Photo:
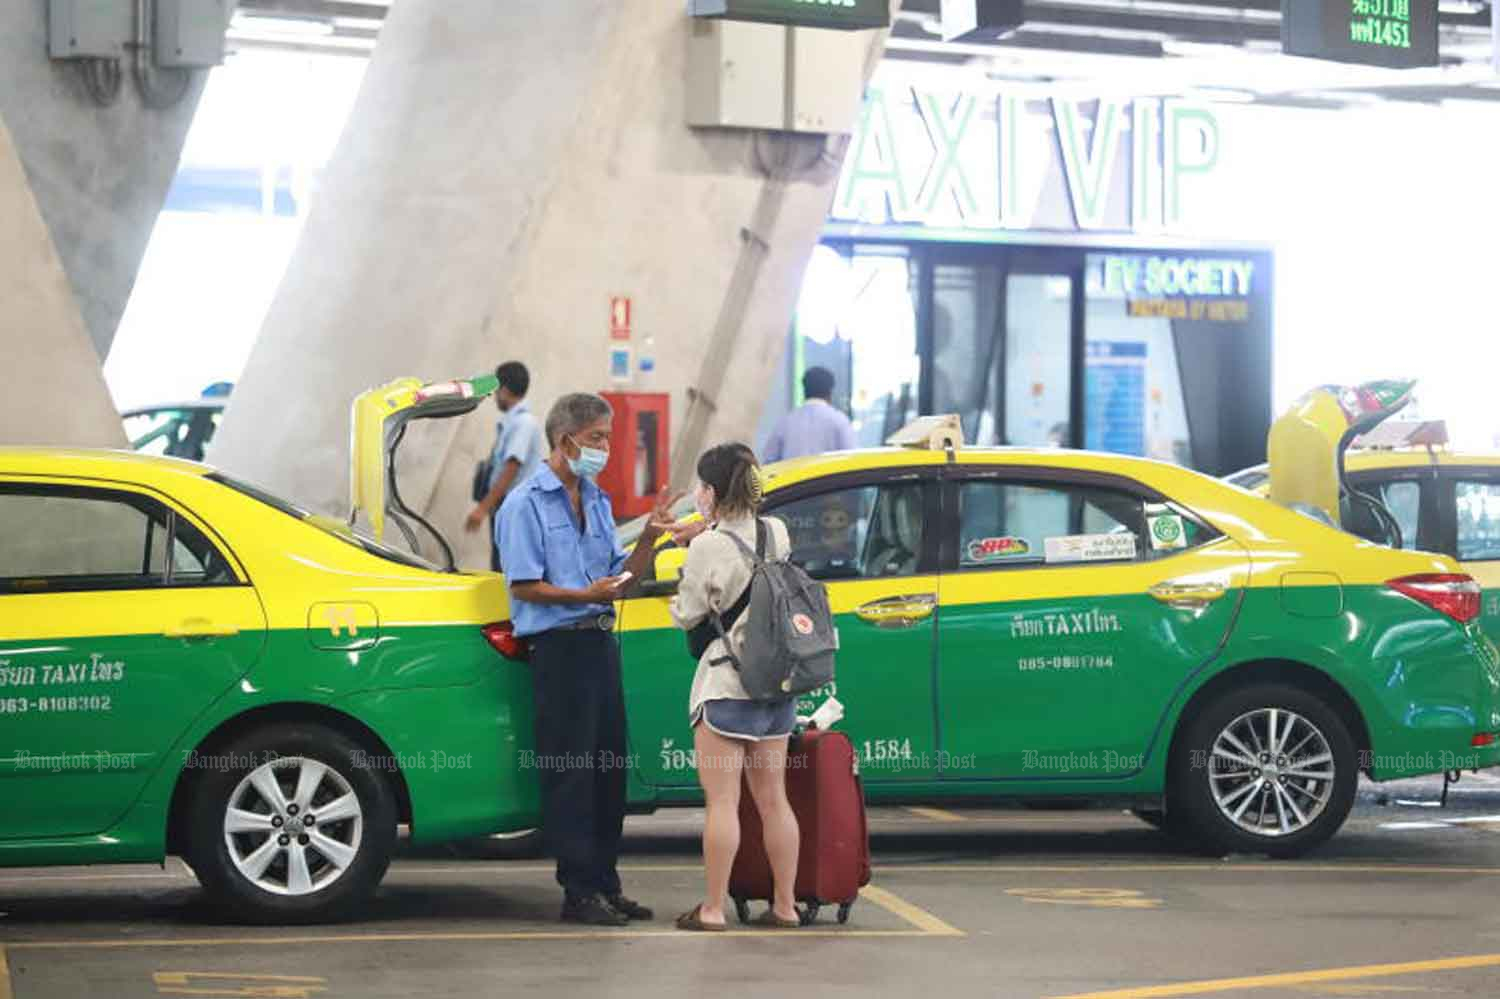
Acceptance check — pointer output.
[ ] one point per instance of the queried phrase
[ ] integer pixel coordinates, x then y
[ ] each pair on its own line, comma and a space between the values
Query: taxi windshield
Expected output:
351, 536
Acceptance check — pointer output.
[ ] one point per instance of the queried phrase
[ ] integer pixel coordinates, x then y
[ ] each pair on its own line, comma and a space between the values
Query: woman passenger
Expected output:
733, 735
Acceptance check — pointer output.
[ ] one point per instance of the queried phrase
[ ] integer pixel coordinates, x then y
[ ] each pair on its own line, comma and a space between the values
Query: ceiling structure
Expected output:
1219, 49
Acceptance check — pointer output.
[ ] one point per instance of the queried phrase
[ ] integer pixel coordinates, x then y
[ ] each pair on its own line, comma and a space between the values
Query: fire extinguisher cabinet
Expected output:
640, 451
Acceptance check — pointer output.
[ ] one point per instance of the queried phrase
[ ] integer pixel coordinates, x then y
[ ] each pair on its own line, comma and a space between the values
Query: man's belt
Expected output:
601, 622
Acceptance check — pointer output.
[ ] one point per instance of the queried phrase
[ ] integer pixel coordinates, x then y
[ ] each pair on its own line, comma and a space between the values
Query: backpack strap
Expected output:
722, 623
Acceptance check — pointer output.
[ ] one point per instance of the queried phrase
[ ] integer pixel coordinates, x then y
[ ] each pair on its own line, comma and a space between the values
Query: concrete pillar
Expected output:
54, 392
99, 175
507, 169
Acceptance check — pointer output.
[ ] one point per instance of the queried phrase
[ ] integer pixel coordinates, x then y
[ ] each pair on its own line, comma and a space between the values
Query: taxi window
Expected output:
67, 539
856, 533
1478, 520
1004, 524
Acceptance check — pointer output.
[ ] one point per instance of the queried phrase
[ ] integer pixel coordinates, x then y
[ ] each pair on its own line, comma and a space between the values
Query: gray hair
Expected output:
573, 412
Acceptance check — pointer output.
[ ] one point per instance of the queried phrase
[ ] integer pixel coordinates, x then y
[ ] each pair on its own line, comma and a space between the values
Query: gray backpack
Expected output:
790, 639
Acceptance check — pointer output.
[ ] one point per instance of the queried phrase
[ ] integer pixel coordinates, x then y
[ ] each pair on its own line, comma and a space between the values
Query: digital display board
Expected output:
847, 14
1397, 34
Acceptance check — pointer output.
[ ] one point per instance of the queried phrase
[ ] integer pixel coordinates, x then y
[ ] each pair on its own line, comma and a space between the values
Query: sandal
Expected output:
770, 919
693, 920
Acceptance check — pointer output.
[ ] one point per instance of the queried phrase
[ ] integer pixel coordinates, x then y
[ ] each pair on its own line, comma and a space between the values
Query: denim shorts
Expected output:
754, 720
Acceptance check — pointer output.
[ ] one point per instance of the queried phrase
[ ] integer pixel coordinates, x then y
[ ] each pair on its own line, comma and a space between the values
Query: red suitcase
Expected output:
822, 784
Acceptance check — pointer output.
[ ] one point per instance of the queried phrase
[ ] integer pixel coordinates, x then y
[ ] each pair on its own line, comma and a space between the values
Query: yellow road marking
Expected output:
1098, 898
922, 919
1295, 978
5, 992
936, 814
182, 983
924, 924
1360, 990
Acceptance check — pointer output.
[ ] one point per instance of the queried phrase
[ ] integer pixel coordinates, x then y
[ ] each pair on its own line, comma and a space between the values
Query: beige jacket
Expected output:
713, 578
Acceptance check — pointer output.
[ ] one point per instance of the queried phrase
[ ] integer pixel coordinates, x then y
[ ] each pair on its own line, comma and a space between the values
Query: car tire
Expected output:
1237, 793
524, 845
274, 866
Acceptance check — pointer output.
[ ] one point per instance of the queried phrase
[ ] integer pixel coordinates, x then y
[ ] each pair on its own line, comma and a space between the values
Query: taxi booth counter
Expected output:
1153, 350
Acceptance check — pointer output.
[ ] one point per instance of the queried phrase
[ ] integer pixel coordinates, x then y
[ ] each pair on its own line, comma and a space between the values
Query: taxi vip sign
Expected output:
992, 158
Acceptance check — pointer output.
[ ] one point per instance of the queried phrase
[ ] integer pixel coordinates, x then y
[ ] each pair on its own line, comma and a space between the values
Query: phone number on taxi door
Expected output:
53, 705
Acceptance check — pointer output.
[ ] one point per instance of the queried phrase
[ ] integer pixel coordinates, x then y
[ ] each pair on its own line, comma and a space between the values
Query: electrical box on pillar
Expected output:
981, 20
87, 29
639, 466
189, 34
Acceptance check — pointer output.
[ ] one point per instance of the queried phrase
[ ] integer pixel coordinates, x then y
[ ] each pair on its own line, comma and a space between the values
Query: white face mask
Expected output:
703, 499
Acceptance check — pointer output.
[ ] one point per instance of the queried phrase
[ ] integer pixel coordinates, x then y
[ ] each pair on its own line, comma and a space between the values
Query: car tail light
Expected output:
1453, 594
503, 638
1483, 739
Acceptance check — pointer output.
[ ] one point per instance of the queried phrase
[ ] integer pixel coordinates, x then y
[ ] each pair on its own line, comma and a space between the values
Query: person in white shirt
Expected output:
733, 735
815, 427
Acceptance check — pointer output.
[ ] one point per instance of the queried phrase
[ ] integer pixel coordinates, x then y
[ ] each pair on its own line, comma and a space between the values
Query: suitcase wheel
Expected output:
742, 909
844, 912
809, 913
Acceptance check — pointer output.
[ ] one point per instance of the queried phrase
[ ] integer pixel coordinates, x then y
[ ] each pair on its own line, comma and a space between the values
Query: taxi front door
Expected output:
1065, 629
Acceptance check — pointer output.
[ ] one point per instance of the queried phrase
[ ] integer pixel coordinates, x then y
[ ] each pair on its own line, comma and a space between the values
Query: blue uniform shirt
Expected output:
812, 428
539, 540
518, 437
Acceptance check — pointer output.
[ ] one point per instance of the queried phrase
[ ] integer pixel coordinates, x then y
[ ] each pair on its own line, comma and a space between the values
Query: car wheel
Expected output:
523, 845
1266, 769
293, 829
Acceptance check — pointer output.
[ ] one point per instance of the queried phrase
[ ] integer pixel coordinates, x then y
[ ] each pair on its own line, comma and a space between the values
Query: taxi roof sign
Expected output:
930, 433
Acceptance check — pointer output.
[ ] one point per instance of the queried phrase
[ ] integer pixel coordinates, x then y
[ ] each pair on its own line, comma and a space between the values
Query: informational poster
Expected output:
1115, 396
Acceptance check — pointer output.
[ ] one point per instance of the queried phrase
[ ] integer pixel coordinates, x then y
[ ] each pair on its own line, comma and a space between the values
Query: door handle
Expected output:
1189, 596
198, 627
898, 612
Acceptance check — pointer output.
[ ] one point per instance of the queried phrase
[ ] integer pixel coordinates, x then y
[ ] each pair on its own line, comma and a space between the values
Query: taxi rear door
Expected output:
122, 618
1072, 606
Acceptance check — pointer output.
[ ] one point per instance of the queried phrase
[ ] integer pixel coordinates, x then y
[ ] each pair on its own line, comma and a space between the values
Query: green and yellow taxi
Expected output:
188, 665
1049, 624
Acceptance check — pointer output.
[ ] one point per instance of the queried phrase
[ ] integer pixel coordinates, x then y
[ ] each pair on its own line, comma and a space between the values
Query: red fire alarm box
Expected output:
640, 452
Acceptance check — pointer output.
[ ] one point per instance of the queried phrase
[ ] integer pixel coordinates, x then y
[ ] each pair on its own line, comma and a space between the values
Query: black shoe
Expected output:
629, 907
593, 910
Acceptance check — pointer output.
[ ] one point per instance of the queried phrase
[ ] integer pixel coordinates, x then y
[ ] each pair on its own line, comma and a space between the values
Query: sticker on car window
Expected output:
984, 550
1167, 532
1091, 547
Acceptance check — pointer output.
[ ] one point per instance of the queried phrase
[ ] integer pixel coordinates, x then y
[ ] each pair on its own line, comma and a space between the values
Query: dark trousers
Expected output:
494, 544
580, 742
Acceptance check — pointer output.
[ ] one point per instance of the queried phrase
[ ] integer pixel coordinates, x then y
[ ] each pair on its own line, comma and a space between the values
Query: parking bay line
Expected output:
936, 814
923, 923
1294, 978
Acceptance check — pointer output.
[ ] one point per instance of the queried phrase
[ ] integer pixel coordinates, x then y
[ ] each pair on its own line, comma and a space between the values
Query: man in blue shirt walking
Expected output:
565, 568
518, 449
814, 427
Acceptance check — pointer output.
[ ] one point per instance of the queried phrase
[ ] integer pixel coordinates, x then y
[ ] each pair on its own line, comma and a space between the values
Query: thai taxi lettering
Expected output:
16, 676
1089, 622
